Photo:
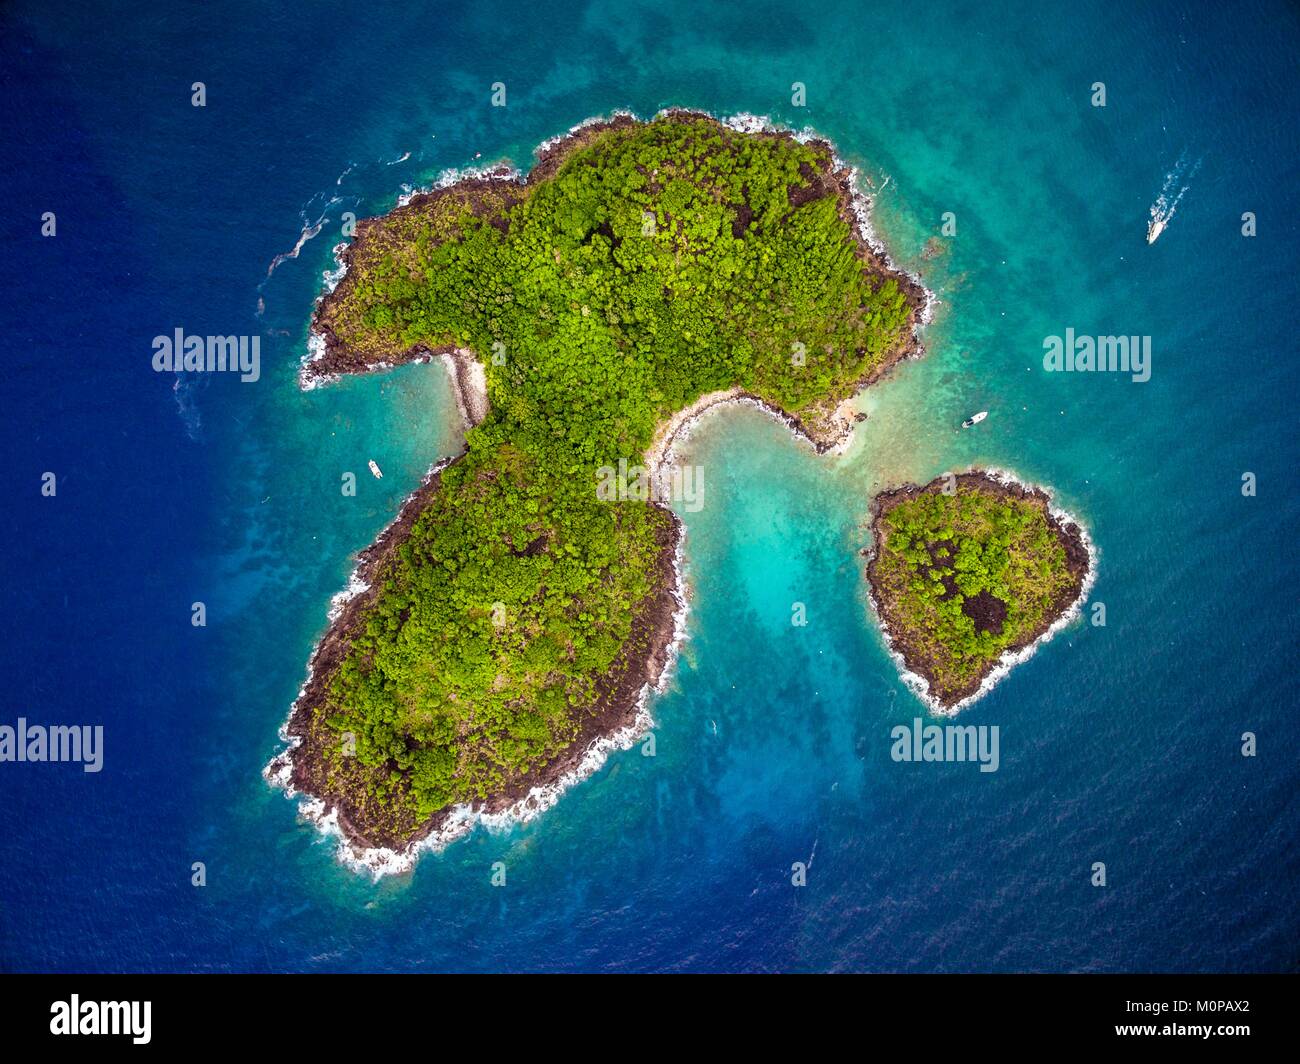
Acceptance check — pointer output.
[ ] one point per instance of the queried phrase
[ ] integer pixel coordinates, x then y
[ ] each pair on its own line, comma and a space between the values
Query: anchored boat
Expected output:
374, 468
974, 419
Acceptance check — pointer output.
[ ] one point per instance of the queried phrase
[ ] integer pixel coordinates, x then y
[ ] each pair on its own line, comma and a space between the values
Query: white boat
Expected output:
1155, 227
374, 468
974, 419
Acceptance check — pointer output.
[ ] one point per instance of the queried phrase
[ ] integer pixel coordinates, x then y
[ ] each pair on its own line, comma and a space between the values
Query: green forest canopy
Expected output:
661, 261
966, 576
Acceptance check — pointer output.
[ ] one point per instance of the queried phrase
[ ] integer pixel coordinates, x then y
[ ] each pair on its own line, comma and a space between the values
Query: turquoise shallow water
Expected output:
1118, 744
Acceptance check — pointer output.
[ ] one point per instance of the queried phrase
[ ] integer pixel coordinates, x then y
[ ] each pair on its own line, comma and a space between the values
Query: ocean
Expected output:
1119, 744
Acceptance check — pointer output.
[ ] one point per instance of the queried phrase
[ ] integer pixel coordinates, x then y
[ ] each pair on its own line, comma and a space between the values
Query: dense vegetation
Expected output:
965, 576
657, 262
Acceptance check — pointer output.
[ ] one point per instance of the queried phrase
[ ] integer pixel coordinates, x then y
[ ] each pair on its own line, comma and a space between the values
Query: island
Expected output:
969, 572
513, 616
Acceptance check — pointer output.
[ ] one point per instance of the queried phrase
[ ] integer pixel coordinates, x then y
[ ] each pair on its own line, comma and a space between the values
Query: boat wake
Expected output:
1177, 182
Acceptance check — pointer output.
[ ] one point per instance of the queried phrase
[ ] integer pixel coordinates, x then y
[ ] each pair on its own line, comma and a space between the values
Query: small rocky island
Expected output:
967, 572
511, 619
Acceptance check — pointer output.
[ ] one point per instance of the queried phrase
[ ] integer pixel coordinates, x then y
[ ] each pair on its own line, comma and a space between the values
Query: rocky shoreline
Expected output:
1080, 562
827, 440
619, 715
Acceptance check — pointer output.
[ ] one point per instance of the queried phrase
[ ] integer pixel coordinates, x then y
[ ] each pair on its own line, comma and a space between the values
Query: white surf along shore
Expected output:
920, 686
469, 386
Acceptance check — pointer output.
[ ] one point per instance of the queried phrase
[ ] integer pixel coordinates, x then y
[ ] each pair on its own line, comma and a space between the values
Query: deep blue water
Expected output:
1118, 744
